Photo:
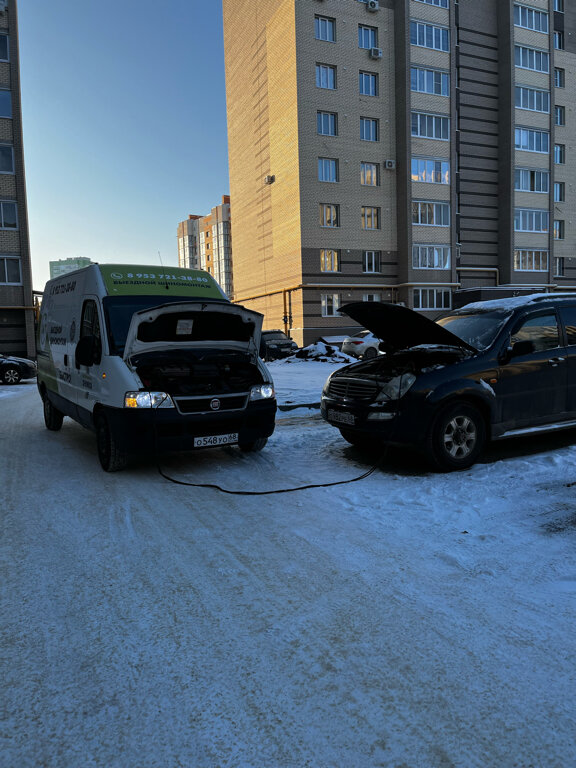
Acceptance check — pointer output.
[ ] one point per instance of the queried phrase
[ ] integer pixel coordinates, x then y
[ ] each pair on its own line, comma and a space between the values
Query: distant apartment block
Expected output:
205, 242
16, 304
415, 151
63, 266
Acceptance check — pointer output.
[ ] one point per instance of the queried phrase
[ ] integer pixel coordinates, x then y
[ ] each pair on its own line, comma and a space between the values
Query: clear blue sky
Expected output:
124, 115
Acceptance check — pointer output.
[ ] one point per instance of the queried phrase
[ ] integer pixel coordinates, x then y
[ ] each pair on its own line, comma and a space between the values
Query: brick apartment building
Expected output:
16, 308
415, 151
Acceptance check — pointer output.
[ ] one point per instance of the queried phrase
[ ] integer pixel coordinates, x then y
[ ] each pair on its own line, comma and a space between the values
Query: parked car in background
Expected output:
14, 369
276, 344
363, 344
488, 371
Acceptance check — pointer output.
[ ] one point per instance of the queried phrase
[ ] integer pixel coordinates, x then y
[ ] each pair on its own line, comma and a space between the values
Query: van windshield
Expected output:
479, 329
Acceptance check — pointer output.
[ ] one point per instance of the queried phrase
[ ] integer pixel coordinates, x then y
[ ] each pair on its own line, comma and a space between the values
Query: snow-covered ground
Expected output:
408, 620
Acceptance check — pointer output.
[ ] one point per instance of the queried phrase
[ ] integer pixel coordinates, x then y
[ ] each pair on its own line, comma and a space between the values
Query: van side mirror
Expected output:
88, 351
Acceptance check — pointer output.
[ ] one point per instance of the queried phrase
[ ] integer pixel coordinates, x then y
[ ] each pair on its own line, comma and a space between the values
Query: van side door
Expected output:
88, 377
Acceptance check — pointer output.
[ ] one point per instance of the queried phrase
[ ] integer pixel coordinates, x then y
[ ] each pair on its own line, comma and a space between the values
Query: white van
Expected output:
152, 360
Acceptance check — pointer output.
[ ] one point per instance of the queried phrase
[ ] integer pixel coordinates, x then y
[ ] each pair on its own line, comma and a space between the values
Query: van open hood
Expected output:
400, 327
210, 325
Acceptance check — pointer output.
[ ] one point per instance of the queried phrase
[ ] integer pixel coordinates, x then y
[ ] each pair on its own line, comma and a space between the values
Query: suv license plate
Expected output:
208, 440
341, 416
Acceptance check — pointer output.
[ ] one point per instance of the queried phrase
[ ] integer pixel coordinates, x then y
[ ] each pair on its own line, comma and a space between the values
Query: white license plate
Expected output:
341, 416
208, 440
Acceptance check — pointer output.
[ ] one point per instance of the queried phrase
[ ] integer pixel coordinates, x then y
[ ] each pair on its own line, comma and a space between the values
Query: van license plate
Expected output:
203, 442
341, 416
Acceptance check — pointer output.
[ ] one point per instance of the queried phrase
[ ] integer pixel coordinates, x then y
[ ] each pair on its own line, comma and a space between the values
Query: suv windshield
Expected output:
479, 329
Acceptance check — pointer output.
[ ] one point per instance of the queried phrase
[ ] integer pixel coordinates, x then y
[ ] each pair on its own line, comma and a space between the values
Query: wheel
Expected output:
457, 437
255, 445
358, 440
53, 418
370, 354
111, 457
11, 375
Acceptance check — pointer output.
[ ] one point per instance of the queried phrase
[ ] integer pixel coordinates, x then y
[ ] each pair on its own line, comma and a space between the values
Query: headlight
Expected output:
396, 387
147, 400
262, 392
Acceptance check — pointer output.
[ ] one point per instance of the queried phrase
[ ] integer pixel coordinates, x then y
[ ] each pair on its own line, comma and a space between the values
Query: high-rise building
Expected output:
16, 304
415, 151
63, 266
205, 242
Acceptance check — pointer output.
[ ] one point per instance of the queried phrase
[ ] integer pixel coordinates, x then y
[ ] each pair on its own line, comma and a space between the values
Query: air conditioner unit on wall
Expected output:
390, 164
373, 5
375, 53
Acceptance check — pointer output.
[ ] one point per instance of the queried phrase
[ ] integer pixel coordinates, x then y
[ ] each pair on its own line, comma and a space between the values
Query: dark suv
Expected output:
275, 345
490, 370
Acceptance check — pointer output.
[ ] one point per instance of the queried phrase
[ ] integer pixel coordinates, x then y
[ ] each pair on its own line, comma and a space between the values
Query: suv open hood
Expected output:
400, 327
194, 324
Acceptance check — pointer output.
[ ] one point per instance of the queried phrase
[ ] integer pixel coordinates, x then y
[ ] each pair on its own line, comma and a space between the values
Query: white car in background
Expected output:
363, 344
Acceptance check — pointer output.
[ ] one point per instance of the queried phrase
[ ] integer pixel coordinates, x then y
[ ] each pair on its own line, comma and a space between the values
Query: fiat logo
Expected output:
215, 404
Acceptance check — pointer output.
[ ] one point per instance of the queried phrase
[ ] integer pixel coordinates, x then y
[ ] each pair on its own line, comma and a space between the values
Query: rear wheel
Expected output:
53, 418
457, 437
11, 375
255, 445
111, 457
370, 354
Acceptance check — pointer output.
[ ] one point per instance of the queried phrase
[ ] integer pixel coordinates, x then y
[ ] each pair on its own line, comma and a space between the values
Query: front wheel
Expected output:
457, 437
255, 445
11, 376
111, 457
53, 418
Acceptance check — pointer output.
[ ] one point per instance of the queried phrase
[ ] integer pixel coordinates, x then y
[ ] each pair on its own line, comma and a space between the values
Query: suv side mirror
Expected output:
88, 351
524, 347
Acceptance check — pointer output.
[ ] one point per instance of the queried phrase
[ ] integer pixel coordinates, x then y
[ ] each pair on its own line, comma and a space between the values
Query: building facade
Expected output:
16, 304
63, 266
205, 242
414, 151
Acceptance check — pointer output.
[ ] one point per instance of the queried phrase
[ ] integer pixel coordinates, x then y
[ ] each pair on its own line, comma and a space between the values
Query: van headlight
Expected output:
262, 392
147, 400
396, 388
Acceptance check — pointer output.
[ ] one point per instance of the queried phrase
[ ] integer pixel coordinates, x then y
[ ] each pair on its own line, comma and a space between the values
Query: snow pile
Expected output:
322, 352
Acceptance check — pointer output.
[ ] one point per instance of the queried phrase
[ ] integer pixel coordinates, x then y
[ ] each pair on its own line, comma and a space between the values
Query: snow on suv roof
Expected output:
515, 301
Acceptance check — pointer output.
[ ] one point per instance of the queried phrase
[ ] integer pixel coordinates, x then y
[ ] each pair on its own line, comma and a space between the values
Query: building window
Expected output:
369, 174
368, 83
6, 158
559, 154
367, 37
324, 29
329, 260
530, 261
559, 77
429, 81
430, 170
431, 257
329, 215
429, 36
372, 297
559, 192
371, 261
325, 76
5, 103
559, 267
4, 55
558, 229
531, 58
432, 298
437, 3
327, 123
327, 169
531, 140
8, 215
330, 304
530, 220
430, 126
527, 180
559, 115
369, 129
532, 99
559, 6
10, 271
370, 217
430, 214
529, 18
559, 41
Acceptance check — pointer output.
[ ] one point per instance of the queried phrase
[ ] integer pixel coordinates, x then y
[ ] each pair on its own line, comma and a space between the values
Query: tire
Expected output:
112, 459
11, 375
53, 418
255, 445
457, 437
370, 354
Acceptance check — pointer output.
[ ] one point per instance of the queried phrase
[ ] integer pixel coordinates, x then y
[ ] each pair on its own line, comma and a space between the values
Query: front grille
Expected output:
203, 404
356, 389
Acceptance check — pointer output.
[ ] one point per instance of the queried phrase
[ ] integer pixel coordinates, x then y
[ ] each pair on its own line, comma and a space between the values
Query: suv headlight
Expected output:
262, 392
147, 400
396, 387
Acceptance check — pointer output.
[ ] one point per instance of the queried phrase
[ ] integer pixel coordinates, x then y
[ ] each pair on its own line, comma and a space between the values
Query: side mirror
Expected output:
520, 348
88, 351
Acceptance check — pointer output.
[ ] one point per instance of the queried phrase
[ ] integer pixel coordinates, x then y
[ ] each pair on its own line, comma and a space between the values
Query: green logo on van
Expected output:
123, 280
